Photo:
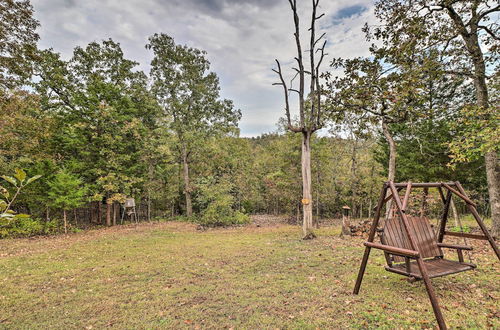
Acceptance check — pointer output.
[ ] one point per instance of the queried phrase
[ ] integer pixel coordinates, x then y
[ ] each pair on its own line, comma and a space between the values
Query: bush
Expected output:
217, 204
26, 227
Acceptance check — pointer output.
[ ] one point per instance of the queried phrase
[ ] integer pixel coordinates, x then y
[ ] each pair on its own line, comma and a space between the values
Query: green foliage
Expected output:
17, 42
217, 204
66, 191
478, 132
18, 181
27, 227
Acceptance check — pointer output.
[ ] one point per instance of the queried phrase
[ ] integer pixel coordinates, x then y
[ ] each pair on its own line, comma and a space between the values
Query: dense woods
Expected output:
97, 130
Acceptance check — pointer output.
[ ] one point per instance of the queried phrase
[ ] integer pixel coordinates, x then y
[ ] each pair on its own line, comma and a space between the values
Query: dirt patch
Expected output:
266, 220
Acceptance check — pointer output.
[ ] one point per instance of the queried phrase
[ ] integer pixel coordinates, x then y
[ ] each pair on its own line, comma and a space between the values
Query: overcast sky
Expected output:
242, 38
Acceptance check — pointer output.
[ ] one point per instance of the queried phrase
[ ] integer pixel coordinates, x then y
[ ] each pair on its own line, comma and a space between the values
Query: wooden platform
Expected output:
435, 268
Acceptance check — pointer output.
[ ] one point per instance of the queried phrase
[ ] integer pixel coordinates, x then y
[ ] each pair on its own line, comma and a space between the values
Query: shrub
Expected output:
217, 204
25, 227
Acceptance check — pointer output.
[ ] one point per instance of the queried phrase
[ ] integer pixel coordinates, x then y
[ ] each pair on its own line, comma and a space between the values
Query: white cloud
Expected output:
242, 38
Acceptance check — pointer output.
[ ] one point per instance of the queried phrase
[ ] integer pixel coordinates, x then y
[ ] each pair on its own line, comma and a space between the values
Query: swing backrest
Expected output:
394, 234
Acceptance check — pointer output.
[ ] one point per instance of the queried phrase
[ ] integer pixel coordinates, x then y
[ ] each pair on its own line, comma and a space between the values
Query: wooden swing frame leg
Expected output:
444, 218
480, 222
432, 295
371, 237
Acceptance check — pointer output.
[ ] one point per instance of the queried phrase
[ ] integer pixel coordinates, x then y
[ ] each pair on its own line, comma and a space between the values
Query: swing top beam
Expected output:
425, 184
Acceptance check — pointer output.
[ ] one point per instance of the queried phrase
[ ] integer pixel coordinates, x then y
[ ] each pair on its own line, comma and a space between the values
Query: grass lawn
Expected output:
169, 275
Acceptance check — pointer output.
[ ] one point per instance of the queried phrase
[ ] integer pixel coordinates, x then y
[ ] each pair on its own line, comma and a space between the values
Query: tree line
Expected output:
96, 129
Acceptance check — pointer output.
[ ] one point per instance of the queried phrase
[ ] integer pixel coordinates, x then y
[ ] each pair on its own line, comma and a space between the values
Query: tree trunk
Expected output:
65, 222
493, 177
92, 212
455, 213
99, 212
307, 219
187, 186
354, 167
75, 217
423, 207
392, 161
491, 157
149, 209
115, 209
108, 213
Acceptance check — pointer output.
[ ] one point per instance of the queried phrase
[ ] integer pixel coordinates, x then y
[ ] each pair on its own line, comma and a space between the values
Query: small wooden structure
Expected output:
129, 209
410, 245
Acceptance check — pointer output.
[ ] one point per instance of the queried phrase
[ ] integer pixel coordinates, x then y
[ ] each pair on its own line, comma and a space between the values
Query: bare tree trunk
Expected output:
423, 207
99, 212
92, 212
318, 173
108, 213
65, 222
307, 220
115, 209
75, 217
392, 161
187, 186
354, 166
455, 212
493, 178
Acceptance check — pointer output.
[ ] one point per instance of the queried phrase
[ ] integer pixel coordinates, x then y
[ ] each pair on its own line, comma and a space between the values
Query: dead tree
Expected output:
309, 104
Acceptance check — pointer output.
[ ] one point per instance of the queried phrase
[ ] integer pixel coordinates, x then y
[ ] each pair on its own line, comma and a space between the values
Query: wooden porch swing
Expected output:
411, 247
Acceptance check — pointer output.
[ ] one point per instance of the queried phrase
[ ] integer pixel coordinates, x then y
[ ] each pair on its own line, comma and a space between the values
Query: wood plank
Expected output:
407, 196
465, 198
392, 249
466, 235
423, 184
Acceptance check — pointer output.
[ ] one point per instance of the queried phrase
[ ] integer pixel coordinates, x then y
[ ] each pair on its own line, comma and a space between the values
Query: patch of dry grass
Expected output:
169, 275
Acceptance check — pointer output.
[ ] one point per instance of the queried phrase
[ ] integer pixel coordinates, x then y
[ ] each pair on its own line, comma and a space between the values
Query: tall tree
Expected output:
467, 36
189, 95
311, 116
104, 112
18, 40
375, 91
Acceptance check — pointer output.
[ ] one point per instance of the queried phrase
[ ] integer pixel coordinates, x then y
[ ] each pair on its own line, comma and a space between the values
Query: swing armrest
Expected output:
393, 249
455, 246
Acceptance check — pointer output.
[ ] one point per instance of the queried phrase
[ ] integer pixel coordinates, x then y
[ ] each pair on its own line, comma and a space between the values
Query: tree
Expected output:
467, 36
311, 117
17, 42
105, 115
189, 95
66, 192
376, 91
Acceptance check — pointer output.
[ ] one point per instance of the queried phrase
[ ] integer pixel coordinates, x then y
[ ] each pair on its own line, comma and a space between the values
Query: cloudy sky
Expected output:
242, 38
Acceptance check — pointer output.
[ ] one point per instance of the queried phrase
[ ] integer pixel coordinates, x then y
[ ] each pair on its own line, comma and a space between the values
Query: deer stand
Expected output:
410, 246
128, 209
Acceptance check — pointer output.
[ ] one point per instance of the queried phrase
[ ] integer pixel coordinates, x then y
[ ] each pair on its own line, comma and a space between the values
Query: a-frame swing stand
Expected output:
408, 238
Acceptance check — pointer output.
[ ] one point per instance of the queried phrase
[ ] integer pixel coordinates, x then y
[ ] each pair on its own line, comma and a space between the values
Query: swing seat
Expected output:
394, 235
435, 267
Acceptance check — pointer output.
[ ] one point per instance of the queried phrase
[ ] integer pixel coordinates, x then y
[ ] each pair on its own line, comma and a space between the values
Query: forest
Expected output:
131, 196
97, 130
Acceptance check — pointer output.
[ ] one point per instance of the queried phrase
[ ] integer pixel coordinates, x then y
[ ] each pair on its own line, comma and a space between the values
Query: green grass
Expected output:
169, 275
